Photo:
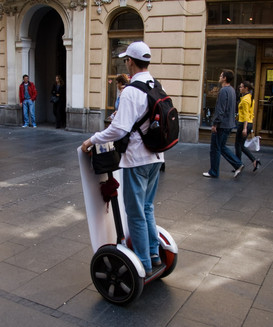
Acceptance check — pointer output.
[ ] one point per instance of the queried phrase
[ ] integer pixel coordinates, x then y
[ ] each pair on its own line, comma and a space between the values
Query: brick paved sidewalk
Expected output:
223, 228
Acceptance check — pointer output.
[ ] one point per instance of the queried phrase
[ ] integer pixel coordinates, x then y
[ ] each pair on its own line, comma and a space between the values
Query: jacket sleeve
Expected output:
220, 108
34, 92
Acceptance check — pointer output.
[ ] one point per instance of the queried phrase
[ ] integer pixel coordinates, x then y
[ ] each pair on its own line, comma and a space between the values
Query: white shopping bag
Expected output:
253, 144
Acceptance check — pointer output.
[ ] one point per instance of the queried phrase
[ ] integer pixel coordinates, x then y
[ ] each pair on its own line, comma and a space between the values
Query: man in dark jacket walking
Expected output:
223, 122
27, 97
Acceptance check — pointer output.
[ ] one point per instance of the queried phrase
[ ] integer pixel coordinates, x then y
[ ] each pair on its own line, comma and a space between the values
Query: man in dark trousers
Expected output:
27, 96
223, 122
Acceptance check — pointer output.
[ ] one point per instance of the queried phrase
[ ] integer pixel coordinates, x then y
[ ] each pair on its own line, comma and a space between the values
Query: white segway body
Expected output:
116, 271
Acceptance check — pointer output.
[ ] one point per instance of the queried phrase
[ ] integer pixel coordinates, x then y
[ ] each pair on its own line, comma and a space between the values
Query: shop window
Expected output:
240, 12
267, 102
235, 54
124, 29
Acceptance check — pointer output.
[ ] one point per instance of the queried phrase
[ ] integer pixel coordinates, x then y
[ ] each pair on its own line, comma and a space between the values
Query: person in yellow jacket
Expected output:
245, 123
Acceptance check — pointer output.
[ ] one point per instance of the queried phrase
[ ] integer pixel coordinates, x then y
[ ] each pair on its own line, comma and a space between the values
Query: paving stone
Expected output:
13, 314
8, 249
257, 237
191, 269
188, 223
263, 193
180, 321
263, 217
259, 318
244, 264
33, 202
46, 254
220, 302
211, 240
57, 285
222, 227
47, 217
13, 277
264, 300
78, 232
84, 255
242, 204
154, 307
229, 219
211, 205
170, 209
8, 231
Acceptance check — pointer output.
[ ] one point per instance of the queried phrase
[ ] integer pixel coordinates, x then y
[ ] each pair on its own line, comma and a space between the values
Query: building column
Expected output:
11, 68
68, 47
78, 59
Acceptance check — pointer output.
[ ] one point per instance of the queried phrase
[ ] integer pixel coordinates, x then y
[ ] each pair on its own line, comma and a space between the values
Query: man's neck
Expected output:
137, 70
225, 84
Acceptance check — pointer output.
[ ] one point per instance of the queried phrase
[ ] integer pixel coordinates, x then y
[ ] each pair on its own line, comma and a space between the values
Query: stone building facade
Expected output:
42, 38
191, 42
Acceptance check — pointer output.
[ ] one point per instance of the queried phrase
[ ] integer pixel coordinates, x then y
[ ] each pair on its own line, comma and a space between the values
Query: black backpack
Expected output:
161, 112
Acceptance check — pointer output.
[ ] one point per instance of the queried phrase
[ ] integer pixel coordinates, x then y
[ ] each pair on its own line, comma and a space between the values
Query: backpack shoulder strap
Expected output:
144, 87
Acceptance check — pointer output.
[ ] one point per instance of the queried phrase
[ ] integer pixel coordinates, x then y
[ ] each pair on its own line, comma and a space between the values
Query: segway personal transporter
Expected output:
116, 271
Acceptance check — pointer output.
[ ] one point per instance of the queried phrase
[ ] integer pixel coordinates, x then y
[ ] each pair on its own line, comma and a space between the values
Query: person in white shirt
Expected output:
140, 166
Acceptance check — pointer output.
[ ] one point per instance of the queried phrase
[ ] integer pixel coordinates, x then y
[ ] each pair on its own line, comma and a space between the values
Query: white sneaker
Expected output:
207, 175
238, 171
24, 126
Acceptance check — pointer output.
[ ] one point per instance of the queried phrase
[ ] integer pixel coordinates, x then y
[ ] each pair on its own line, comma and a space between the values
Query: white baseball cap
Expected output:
137, 50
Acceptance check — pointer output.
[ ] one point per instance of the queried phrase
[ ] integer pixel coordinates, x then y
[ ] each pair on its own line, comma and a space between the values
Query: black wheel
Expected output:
115, 276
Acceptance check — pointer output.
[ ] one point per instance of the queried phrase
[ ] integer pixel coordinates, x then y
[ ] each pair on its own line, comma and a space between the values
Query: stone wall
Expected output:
3, 62
175, 32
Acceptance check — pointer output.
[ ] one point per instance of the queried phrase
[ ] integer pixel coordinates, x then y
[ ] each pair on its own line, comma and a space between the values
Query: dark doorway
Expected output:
50, 60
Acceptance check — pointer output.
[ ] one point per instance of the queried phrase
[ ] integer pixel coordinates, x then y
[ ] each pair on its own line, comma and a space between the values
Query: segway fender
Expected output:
134, 259
166, 240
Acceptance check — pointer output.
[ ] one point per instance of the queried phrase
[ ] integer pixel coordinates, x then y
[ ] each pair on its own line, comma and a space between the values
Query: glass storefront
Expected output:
239, 37
235, 54
267, 121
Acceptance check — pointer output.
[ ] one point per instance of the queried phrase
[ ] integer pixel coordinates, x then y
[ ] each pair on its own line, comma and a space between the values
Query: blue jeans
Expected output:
139, 189
29, 104
217, 148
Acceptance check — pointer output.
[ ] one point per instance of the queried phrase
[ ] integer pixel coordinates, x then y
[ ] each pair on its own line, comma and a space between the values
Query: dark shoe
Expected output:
238, 171
149, 273
207, 175
156, 261
257, 164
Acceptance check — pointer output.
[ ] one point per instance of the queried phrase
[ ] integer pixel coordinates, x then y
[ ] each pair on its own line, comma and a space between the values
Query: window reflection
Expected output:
124, 29
240, 12
267, 120
235, 54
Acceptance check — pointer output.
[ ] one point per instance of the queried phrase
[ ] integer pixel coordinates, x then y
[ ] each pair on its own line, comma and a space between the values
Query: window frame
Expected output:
132, 34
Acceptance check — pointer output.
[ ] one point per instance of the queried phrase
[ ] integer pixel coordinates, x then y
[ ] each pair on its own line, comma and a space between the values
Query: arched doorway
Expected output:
47, 58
